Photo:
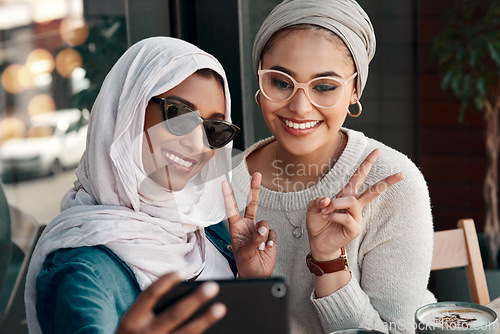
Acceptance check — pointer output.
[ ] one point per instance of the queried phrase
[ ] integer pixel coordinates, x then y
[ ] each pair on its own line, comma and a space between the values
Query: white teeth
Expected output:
306, 125
178, 160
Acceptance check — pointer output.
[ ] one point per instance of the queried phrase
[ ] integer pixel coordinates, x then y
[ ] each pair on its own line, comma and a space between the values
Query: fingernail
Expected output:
324, 216
219, 310
262, 230
262, 246
210, 289
323, 210
270, 243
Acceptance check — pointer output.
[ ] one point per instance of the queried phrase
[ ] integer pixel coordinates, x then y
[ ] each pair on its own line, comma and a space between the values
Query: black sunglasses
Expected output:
181, 119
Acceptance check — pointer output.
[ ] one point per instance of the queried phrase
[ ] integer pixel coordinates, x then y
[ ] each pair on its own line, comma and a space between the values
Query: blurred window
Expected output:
54, 56
37, 131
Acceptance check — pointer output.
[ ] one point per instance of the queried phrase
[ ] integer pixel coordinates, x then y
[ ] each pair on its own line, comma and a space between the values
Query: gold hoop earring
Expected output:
257, 97
359, 111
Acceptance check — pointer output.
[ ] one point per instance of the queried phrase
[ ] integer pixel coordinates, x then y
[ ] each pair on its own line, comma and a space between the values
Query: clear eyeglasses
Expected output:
323, 92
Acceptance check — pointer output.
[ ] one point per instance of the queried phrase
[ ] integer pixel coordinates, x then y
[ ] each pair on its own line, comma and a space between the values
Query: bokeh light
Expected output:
40, 104
16, 78
48, 10
11, 128
67, 60
74, 31
40, 61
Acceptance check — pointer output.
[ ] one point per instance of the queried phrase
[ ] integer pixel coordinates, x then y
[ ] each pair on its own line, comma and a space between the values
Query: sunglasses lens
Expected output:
218, 133
181, 120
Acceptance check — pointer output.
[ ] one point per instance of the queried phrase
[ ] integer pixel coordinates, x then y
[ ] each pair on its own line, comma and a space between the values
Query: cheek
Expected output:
147, 156
268, 108
153, 140
347, 99
207, 155
204, 159
336, 116
159, 135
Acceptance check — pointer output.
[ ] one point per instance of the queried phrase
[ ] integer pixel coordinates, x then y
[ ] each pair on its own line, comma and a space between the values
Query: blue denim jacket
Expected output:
89, 289
219, 236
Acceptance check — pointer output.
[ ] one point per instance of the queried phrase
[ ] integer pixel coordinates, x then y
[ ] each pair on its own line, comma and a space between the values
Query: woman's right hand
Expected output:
254, 243
140, 317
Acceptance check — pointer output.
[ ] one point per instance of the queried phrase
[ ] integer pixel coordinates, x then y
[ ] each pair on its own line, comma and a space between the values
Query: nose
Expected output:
299, 103
194, 141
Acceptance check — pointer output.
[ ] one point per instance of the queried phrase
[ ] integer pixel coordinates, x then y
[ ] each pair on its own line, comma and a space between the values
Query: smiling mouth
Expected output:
178, 160
300, 126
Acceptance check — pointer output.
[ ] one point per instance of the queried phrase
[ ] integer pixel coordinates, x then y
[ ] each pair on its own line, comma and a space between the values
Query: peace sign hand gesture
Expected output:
334, 222
254, 244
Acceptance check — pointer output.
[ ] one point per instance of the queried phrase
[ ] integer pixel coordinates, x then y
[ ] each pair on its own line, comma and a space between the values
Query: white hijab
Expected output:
113, 202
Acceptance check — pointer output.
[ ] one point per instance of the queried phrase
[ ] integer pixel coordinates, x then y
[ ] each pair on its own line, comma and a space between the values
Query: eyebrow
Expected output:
181, 100
318, 75
192, 106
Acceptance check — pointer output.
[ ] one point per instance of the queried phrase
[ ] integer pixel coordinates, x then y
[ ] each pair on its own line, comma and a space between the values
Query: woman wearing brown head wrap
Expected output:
328, 190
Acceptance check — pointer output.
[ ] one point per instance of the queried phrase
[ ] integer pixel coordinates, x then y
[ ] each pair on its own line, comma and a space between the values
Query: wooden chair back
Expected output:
460, 248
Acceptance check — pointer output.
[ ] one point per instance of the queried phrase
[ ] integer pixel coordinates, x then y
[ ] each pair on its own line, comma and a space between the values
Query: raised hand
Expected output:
140, 317
334, 222
254, 244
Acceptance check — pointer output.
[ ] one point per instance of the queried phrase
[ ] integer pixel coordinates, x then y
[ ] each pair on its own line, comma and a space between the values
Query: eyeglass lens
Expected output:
279, 87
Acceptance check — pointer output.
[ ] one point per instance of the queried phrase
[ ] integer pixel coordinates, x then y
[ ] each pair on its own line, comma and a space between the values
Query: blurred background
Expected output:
54, 55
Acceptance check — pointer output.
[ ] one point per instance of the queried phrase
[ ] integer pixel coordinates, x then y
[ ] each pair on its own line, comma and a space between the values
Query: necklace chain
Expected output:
298, 230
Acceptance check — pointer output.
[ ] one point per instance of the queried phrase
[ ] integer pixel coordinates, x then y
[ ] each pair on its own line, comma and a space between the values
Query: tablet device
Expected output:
258, 305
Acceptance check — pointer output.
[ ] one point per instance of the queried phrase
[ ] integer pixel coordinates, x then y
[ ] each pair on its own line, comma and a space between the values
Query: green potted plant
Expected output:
468, 55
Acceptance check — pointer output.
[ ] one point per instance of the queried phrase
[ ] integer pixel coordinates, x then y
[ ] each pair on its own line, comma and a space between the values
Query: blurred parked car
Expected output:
53, 142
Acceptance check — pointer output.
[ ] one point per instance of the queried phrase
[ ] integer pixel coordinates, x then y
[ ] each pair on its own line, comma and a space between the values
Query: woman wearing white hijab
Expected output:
353, 216
149, 182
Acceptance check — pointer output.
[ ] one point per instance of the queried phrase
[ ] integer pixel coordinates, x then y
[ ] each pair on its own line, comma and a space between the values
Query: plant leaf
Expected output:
494, 49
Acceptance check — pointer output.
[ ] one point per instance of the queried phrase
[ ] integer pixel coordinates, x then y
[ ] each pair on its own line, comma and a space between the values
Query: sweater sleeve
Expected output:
394, 258
83, 290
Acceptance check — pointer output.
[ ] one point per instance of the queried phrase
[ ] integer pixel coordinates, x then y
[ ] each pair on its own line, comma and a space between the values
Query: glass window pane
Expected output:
252, 15
54, 55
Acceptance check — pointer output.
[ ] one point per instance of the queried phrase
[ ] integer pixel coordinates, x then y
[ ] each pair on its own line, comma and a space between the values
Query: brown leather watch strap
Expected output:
319, 268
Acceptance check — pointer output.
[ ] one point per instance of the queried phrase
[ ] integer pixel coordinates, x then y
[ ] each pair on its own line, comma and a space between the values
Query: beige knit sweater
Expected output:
389, 261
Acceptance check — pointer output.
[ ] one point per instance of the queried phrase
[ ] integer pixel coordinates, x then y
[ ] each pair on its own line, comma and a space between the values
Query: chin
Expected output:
299, 146
161, 178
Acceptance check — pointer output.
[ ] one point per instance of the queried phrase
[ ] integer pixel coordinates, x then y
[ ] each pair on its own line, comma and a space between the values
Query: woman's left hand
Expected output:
254, 243
141, 318
334, 222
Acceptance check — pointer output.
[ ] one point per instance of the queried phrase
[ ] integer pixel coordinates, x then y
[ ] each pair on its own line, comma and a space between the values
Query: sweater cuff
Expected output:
343, 306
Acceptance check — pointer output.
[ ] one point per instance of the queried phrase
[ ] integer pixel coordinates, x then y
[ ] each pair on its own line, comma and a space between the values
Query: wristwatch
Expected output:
319, 268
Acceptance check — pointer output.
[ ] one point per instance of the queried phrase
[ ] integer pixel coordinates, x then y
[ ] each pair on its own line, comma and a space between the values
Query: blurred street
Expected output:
40, 197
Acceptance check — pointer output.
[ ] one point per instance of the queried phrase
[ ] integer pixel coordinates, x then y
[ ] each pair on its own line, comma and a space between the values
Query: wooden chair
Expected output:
460, 248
